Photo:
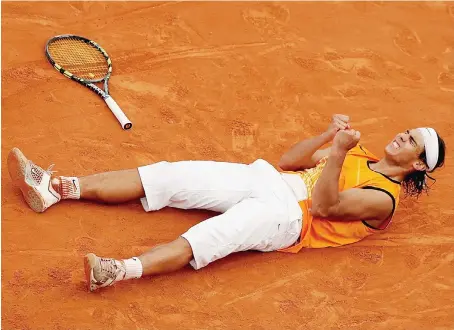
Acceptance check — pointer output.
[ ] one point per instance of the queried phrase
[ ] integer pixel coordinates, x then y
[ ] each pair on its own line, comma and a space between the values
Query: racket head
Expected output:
79, 58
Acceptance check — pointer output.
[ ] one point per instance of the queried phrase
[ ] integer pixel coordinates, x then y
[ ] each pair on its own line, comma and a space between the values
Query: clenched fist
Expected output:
346, 139
339, 122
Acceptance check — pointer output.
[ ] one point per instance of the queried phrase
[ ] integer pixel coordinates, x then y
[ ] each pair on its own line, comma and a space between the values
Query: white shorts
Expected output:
259, 210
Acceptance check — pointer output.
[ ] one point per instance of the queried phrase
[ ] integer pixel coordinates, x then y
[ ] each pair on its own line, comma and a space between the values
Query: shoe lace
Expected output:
109, 267
49, 170
37, 172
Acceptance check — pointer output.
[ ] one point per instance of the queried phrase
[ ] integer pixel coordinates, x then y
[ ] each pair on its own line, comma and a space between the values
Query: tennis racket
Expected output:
84, 61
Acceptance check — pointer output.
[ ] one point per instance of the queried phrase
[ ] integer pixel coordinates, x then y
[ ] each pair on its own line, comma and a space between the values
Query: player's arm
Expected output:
328, 202
307, 153
361, 204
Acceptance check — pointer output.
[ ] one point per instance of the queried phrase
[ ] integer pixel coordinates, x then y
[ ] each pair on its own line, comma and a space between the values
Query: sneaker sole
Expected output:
89, 264
16, 167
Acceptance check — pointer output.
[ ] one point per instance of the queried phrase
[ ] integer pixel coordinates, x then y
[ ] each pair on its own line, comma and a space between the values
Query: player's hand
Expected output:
338, 123
346, 140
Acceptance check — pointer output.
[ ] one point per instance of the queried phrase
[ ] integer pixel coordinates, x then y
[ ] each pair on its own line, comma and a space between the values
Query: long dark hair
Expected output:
415, 183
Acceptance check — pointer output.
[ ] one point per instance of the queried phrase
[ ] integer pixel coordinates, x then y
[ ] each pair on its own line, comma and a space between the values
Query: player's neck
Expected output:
389, 169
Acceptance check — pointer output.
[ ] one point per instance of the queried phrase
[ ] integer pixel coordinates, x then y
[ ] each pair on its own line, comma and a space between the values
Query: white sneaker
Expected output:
33, 181
102, 272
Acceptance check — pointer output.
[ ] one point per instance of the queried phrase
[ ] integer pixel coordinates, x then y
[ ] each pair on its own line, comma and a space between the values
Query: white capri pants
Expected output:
259, 210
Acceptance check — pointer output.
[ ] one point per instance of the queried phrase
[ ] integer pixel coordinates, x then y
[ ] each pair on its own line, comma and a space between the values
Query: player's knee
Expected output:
183, 248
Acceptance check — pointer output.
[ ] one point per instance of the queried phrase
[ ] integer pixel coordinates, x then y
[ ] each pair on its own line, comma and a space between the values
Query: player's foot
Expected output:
33, 181
102, 272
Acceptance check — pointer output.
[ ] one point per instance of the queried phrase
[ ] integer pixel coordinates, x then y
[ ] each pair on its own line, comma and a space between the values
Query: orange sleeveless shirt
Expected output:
355, 173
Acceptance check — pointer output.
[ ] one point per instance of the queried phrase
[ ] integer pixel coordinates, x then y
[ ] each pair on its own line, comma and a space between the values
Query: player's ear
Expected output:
419, 165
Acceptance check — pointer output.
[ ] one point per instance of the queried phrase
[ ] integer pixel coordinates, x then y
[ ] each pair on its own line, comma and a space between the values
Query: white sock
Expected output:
69, 187
133, 268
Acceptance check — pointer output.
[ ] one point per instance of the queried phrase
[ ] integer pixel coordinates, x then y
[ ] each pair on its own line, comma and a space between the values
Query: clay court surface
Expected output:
225, 81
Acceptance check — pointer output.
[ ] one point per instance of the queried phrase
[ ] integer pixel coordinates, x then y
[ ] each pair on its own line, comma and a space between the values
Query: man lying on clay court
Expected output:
323, 198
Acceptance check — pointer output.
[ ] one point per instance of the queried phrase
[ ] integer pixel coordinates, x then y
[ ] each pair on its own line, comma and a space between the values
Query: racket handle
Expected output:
124, 121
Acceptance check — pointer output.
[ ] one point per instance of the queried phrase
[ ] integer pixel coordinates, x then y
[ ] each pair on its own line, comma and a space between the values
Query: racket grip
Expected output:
121, 117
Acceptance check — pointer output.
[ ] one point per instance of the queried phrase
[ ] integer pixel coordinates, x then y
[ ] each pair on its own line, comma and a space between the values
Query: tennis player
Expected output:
322, 198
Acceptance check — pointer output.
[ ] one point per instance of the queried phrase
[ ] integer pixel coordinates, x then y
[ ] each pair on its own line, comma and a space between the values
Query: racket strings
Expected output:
79, 58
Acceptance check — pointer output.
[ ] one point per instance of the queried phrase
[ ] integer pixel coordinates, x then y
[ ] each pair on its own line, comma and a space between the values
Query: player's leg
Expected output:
110, 187
261, 224
253, 224
188, 184
102, 272
208, 185
41, 190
